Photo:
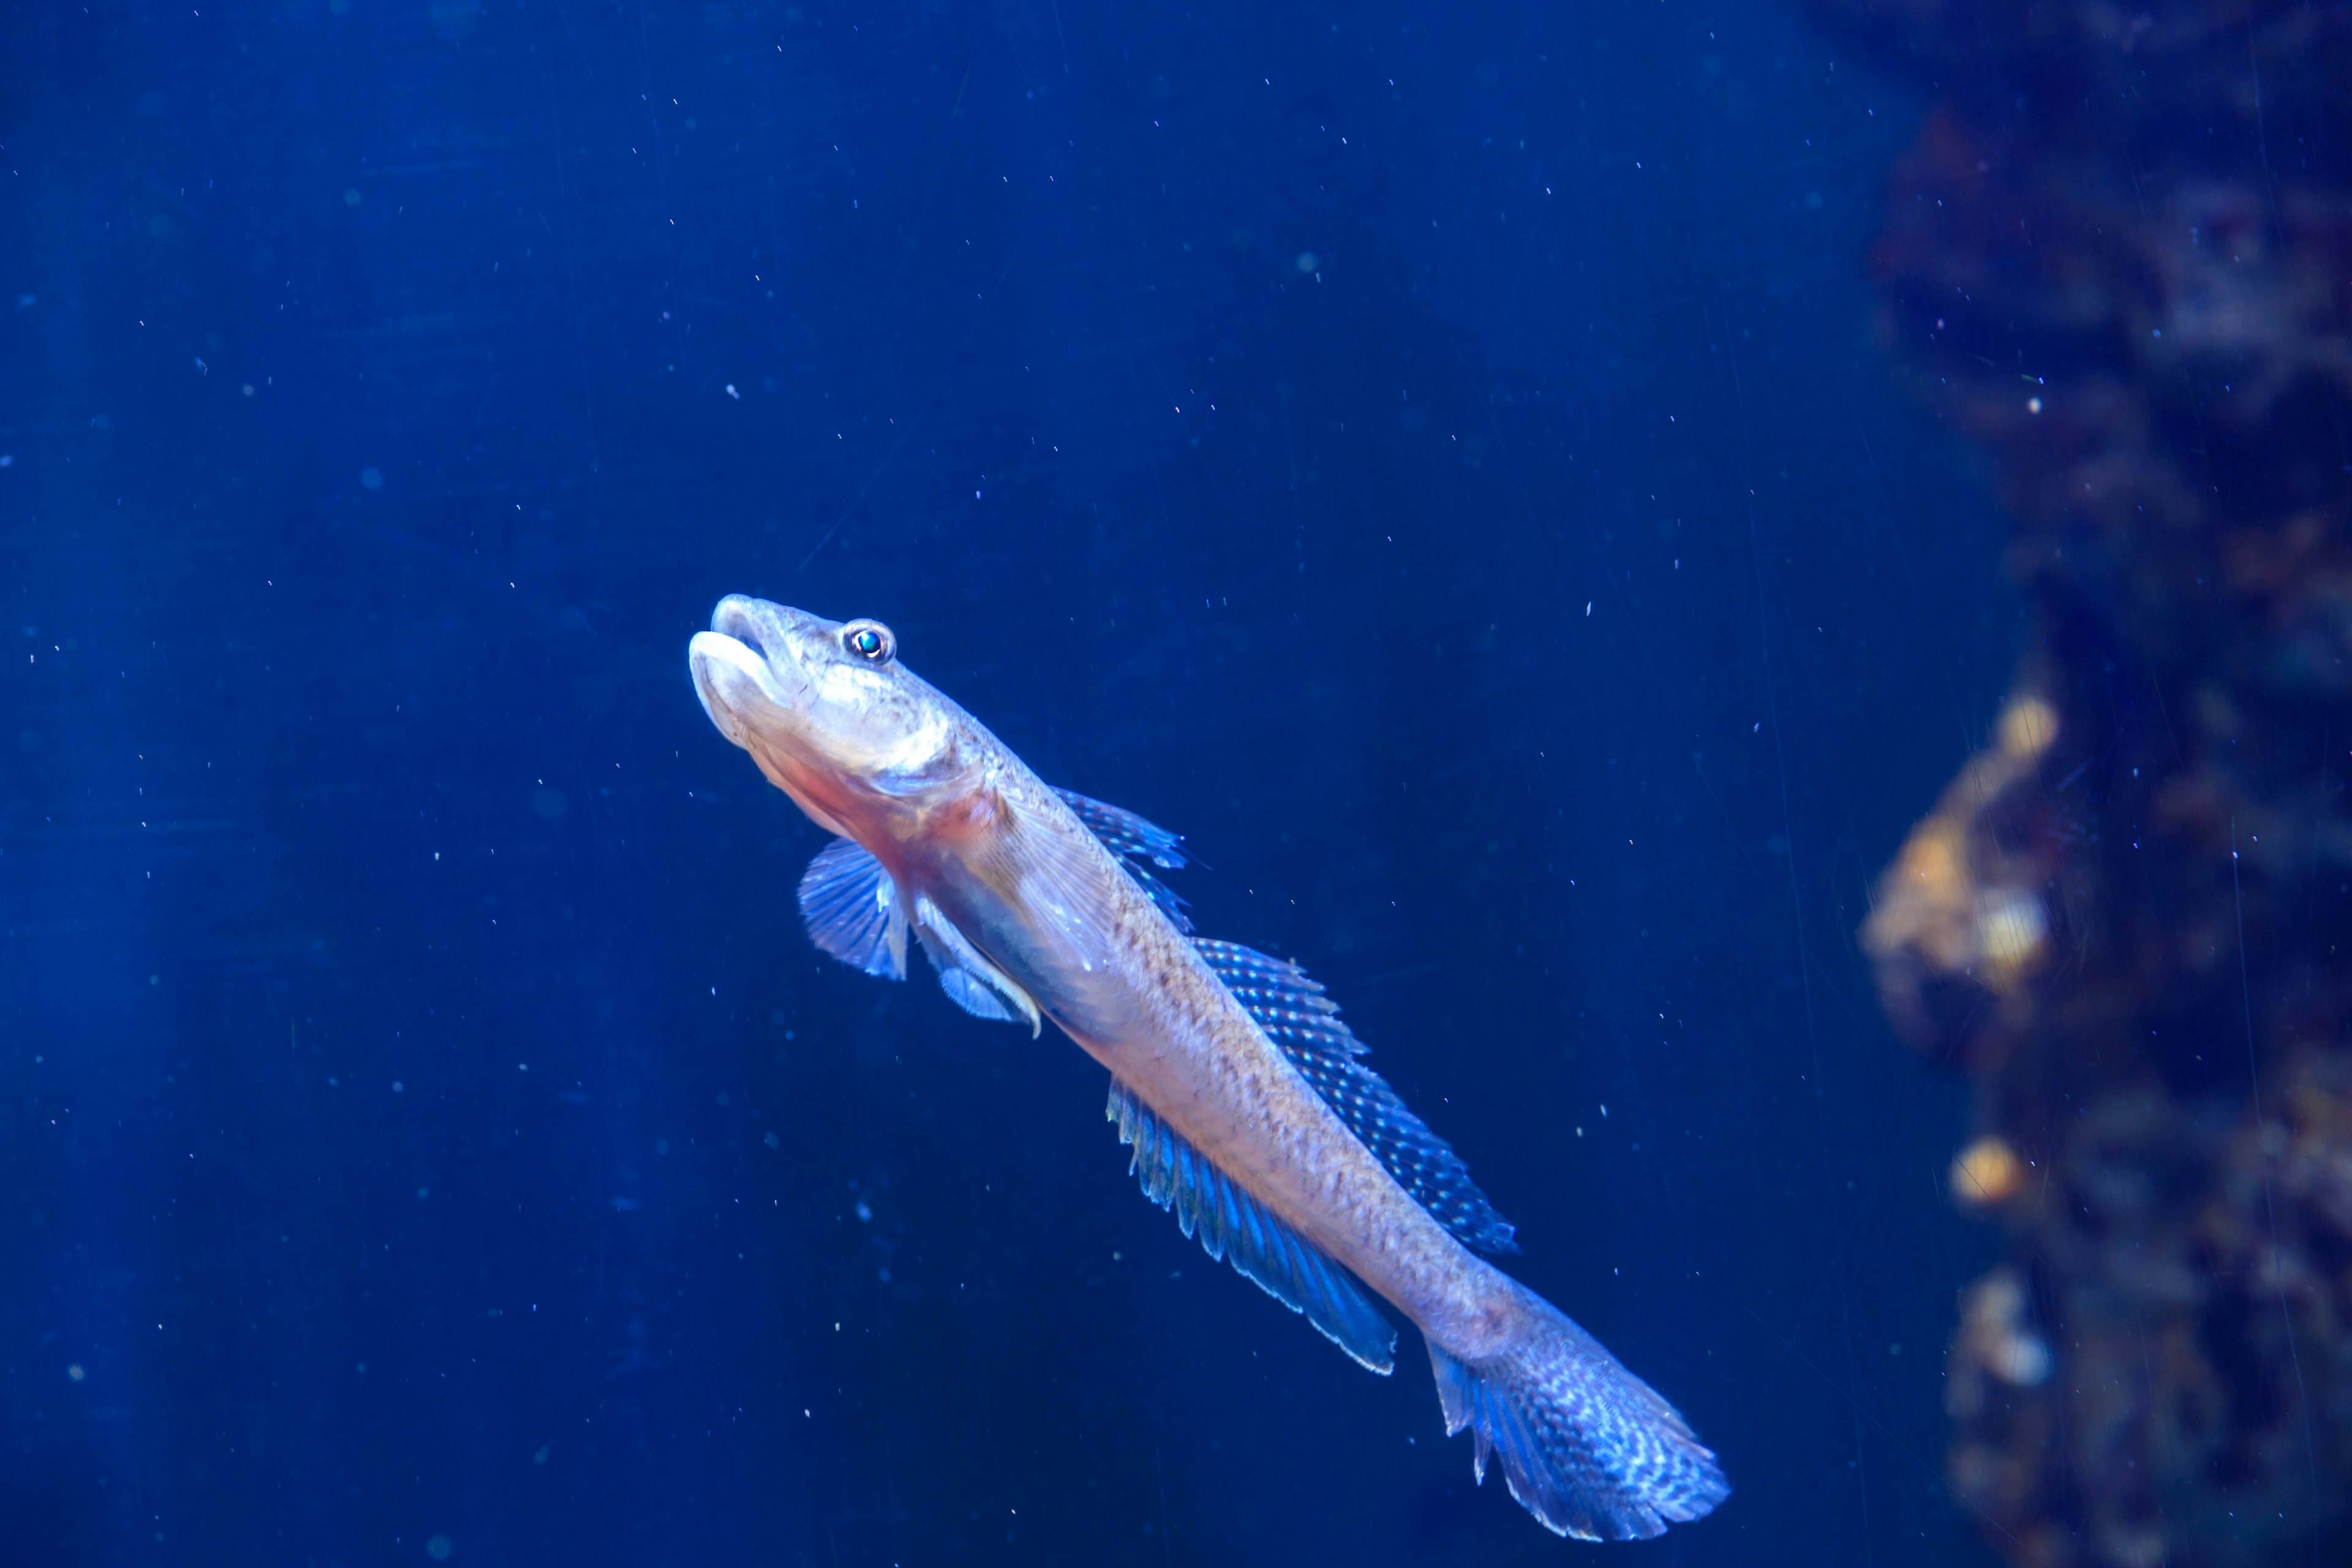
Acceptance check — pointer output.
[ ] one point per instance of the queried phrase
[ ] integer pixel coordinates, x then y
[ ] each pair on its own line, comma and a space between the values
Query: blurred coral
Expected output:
1987, 1173
2120, 255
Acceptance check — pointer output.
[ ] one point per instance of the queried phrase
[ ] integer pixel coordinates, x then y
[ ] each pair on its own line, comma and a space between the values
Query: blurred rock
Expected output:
2120, 255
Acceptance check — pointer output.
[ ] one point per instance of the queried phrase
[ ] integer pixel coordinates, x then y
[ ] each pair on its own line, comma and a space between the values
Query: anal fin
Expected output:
1229, 1224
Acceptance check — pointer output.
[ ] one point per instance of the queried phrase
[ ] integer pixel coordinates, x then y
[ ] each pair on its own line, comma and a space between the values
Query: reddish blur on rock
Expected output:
2119, 256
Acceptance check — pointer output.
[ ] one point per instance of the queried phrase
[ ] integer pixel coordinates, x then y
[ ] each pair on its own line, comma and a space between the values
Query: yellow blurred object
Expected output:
1963, 922
1987, 1173
2028, 725
1996, 1343
1933, 861
2011, 926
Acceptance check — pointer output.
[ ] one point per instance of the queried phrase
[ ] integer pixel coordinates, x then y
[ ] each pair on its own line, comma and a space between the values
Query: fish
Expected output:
1244, 1095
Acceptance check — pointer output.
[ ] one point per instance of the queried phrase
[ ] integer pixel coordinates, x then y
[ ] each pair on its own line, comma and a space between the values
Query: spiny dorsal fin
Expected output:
1133, 841
1305, 1026
1232, 1224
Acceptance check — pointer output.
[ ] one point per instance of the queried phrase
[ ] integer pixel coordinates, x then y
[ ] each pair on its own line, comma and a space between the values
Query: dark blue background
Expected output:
1434, 456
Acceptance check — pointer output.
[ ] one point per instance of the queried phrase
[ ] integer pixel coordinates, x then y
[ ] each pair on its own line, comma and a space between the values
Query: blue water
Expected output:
1435, 457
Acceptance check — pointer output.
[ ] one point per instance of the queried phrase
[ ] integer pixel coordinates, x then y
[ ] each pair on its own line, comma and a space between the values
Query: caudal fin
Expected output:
1589, 1448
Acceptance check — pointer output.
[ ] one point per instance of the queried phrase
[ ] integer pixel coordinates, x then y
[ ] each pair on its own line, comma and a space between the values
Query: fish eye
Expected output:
870, 641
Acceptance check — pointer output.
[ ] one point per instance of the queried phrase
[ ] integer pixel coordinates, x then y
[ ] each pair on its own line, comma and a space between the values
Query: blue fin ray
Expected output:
1133, 842
1586, 1447
1123, 833
1216, 1211
852, 909
1305, 1024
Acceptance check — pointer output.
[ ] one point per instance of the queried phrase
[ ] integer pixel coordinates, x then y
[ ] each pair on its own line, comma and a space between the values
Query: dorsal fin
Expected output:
1305, 1026
1132, 841
1232, 1224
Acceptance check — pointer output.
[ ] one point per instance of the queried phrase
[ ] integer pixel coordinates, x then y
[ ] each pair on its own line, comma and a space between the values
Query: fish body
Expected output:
1250, 1112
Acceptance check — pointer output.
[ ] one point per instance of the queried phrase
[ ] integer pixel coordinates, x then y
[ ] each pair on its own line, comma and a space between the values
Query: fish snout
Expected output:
728, 678
735, 612
744, 668
763, 626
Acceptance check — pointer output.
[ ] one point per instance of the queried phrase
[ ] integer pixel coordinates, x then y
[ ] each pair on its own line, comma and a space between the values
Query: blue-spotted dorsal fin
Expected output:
1139, 845
852, 909
971, 981
1225, 1219
1305, 1026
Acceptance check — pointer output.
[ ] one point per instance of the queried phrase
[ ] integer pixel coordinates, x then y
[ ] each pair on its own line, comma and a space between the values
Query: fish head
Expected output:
864, 745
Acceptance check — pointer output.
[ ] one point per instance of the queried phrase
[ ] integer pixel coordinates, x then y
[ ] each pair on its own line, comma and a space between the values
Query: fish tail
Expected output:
1589, 1448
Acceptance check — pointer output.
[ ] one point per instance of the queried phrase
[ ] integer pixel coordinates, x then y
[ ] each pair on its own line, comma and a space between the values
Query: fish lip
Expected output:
745, 663
725, 672
751, 621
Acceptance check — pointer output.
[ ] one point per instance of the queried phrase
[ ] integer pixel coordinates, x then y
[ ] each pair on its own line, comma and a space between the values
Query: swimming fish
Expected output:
1247, 1100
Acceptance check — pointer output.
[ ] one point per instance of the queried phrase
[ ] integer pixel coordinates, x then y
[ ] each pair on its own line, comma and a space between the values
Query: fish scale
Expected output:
1304, 1025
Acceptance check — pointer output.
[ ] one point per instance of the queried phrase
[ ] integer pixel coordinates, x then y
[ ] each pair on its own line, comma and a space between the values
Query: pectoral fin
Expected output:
852, 909
971, 983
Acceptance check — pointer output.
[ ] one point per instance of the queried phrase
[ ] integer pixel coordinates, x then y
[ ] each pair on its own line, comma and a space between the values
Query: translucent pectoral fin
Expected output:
971, 983
1230, 1224
852, 909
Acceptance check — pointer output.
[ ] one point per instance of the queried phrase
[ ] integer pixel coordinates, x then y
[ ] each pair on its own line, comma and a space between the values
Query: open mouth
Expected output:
732, 672
738, 616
